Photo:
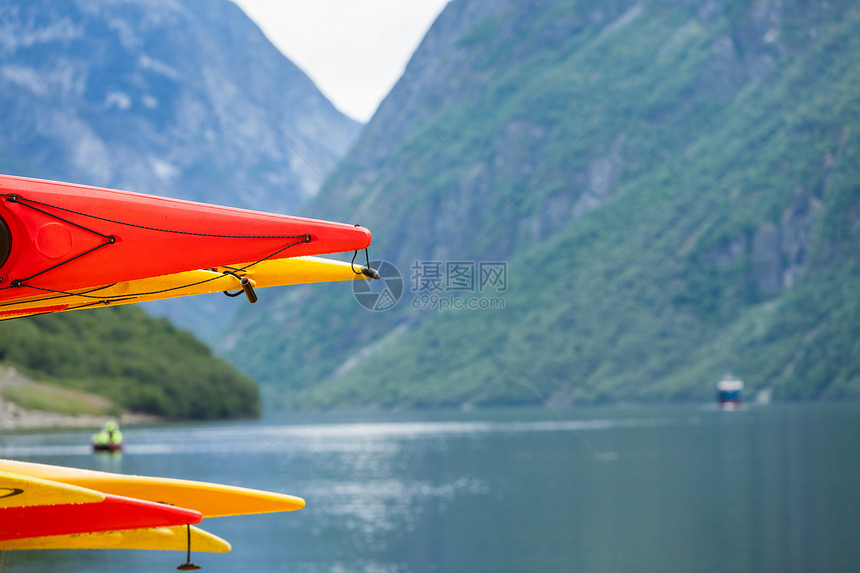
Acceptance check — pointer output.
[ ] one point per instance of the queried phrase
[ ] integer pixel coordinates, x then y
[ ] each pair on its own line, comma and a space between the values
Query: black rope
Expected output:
62, 294
26, 203
107, 299
238, 278
110, 239
188, 565
366, 271
20, 282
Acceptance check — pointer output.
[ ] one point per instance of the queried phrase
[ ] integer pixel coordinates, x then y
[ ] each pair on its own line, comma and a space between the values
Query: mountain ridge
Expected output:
186, 99
679, 169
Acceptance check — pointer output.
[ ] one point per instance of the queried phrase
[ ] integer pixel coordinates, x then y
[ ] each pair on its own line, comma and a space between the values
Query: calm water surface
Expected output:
682, 488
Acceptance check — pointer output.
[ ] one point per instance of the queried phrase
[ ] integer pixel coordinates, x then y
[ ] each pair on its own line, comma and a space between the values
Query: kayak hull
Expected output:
27, 491
113, 513
61, 237
175, 538
107, 448
274, 272
210, 499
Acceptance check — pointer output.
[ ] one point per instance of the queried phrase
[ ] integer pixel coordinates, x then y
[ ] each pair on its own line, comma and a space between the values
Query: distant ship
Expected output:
729, 392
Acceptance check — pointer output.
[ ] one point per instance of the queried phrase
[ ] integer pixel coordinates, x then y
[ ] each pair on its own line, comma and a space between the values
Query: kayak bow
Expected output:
61, 237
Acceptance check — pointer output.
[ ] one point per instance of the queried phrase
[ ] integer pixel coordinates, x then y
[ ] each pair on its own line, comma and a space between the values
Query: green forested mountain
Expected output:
141, 363
673, 187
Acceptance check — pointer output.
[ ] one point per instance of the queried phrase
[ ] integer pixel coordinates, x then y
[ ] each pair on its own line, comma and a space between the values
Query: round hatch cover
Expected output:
5, 242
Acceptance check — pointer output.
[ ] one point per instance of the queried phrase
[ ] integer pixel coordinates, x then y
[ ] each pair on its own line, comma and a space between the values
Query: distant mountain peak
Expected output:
175, 97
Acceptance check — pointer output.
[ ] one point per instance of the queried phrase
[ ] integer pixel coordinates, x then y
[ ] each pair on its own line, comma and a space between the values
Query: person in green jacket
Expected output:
110, 435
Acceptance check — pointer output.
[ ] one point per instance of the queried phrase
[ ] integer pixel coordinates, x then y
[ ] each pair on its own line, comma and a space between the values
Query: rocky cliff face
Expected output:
664, 180
176, 97
469, 60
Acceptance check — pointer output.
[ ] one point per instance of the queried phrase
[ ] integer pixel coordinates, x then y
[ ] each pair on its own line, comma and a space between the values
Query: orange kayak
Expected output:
60, 237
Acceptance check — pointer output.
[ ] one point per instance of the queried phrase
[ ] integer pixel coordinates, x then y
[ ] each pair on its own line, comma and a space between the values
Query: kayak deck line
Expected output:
231, 280
111, 239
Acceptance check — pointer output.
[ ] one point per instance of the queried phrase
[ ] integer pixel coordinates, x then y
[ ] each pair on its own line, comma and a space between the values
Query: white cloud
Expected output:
120, 100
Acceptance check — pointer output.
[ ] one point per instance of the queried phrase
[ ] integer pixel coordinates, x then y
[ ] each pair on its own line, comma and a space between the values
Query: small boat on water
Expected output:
109, 439
107, 447
729, 392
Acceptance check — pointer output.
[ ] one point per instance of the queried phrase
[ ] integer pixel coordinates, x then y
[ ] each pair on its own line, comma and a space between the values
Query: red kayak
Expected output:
59, 237
114, 513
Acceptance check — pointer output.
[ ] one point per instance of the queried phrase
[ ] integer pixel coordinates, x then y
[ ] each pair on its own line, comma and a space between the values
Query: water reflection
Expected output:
108, 462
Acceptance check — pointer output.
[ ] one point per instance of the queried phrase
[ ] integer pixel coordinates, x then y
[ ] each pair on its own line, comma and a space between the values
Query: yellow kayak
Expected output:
163, 538
211, 500
236, 278
25, 491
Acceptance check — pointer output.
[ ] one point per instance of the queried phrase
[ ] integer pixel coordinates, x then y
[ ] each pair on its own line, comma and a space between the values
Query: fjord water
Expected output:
672, 488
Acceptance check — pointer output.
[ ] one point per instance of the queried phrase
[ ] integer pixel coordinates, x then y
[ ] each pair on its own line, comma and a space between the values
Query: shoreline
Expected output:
16, 418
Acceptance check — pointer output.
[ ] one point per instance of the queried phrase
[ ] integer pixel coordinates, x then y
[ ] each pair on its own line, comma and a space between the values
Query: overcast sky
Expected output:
353, 50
